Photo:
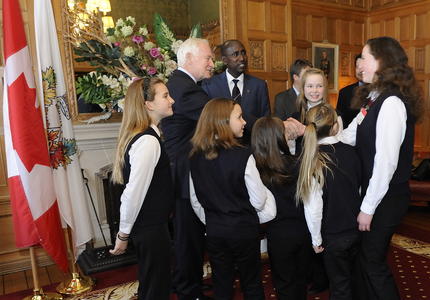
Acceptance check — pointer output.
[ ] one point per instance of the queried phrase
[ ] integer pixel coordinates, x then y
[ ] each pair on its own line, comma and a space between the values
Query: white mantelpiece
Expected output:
97, 146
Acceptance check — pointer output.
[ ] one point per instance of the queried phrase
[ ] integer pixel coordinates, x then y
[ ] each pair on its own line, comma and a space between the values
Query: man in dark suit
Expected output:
195, 61
285, 102
346, 94
250, 92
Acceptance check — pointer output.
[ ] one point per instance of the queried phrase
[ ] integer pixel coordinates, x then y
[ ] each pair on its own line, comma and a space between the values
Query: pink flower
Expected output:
152, 70
154, 52
137, 39
143, 67
117, 44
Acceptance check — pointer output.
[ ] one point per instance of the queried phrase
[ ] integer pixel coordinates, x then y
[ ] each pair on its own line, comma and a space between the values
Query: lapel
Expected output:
246, 86
223, 84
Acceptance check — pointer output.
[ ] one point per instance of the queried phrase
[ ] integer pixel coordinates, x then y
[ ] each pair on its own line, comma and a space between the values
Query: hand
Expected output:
293, 129
120, 247
318, 249
364, 220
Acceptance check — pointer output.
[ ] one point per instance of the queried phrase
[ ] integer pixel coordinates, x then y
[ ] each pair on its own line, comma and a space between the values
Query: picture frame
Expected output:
325, 56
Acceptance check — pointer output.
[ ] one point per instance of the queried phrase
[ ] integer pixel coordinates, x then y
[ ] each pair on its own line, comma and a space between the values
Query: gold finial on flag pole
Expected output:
38, 293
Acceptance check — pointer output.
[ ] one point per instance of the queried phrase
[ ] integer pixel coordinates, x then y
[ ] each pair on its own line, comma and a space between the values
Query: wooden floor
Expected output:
10, 283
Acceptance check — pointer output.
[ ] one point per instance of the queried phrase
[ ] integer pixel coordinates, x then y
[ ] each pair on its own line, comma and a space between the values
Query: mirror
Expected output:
179, 15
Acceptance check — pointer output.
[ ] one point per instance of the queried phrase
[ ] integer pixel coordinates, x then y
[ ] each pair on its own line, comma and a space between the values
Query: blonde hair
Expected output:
135, 119
319, 124
302, 102
213, 129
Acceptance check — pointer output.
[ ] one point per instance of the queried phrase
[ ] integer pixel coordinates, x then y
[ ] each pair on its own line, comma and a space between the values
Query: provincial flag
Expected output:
68, 181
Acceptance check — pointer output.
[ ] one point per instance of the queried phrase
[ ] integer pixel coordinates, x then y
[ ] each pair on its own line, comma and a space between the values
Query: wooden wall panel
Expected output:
256, 15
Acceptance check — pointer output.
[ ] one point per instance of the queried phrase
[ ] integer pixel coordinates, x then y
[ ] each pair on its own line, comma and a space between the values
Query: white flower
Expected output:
117, 32
143, 31
120, 22
120, 103
148, 46
126, 30
111, 38
170, 66
158, 64
131, 20
129, 51
102, 105
175, 46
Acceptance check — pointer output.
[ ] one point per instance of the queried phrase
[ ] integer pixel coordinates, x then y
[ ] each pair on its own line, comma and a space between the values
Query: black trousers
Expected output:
340, 260
153, 249
289, 260
224, 255
189, 238
378, 279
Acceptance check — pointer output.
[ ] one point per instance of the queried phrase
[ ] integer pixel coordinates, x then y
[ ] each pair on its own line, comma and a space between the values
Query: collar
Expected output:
328, 140
296, 90
230, 77
156, 129
373, 95
188, 73
312, 104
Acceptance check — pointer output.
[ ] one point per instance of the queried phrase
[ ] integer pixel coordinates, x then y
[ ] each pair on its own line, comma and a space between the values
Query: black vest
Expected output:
220, 188
290, 217
365, 144
158, 203
341, 196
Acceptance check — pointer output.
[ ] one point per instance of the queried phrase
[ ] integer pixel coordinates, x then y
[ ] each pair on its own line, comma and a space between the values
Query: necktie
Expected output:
235, 93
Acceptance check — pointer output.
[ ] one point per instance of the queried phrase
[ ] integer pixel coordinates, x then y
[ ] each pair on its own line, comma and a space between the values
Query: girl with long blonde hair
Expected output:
228, 195
142, 167
328, 185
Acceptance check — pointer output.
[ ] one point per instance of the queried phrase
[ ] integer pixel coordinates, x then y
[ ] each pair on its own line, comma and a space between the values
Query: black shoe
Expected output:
312, 290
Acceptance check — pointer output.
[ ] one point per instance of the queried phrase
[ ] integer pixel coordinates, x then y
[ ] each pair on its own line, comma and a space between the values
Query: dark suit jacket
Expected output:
179, 128
285, 104
255, 99
344, 104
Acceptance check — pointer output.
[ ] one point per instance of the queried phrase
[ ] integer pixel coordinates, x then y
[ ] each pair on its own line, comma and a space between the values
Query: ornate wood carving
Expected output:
279, 57
256, 56
419, 59
345, 63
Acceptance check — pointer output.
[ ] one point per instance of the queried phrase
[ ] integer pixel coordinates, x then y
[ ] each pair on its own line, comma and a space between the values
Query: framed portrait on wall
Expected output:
326, 57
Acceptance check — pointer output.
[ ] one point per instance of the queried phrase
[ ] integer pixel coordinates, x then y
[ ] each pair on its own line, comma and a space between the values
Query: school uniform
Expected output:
331, 213
226, 193
384, 136
288, 241
146, 204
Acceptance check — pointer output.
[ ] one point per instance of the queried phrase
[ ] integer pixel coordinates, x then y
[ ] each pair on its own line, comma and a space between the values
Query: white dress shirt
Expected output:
390, 133
259, 196
230, 78
313, 204
144, 155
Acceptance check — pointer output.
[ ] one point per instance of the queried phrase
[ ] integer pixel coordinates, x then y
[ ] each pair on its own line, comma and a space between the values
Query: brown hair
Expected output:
213, 129
135, 119
302, 102
394, 75
319, 124
269, 148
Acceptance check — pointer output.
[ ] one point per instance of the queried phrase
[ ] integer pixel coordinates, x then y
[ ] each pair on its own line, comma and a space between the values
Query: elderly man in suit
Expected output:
346, 94
195, 61
285, 102
250, 92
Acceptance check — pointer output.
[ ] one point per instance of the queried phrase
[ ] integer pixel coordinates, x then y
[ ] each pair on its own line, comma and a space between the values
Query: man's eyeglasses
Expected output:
237, 53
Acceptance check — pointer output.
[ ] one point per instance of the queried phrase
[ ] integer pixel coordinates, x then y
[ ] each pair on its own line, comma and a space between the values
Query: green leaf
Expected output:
196, 31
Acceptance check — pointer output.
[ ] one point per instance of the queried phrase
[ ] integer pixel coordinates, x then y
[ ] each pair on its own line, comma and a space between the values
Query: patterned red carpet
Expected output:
409, 259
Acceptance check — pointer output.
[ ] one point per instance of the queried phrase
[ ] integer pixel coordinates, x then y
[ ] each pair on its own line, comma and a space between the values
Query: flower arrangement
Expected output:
120, 54
107, 91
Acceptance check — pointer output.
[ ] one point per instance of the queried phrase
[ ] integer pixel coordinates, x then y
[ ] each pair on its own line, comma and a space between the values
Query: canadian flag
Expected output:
34, 206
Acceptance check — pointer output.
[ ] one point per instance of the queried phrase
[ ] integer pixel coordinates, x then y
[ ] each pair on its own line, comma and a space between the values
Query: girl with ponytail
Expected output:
328, 185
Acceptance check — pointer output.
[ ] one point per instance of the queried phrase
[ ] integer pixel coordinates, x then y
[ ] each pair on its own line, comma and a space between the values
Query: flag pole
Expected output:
79, 283
38, 293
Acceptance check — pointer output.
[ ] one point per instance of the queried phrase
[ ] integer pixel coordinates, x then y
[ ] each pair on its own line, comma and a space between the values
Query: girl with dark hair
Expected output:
288, 238
142, 167
383, 133
228, 195
328, 185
